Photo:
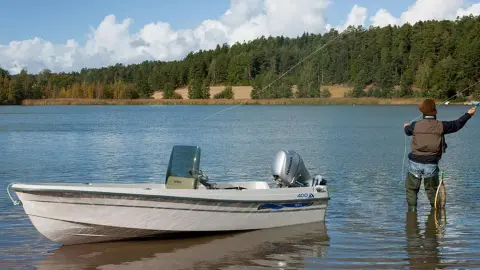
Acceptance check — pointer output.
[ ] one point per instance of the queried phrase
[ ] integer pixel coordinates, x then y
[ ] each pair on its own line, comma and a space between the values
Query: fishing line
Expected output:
298, 63
405, 150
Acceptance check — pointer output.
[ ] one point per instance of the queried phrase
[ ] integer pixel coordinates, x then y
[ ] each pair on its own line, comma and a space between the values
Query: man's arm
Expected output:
455, 125
408, 128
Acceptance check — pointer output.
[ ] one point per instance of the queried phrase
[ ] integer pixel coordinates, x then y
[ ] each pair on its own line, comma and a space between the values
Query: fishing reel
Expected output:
475, 105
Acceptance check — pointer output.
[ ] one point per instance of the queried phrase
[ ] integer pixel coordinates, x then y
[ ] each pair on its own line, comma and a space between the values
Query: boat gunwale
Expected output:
40, 191
310, 207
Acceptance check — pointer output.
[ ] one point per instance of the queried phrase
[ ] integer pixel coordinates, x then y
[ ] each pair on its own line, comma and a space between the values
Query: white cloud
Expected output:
472, 10
423, 10
356, 17
383, 18
111, 42
431, 10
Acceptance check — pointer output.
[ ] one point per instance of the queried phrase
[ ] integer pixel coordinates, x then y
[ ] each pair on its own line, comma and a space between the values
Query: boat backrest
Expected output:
183, 166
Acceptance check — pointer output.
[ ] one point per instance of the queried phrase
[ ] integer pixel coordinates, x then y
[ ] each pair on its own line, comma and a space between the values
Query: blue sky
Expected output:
71, 35
58, 21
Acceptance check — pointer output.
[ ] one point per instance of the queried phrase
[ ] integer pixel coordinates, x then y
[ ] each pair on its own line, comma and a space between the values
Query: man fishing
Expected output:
428, 145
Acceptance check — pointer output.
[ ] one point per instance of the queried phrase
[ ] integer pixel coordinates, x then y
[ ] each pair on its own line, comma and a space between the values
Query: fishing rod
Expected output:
441, 194
285, 73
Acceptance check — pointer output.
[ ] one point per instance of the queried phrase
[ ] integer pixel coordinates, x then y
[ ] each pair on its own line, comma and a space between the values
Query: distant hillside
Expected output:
437, 58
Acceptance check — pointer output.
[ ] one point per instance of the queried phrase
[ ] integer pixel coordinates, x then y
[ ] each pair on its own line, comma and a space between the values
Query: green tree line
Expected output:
429, 58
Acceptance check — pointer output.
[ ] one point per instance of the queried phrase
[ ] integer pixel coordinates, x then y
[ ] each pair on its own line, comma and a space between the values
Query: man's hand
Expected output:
406, 125
472, 111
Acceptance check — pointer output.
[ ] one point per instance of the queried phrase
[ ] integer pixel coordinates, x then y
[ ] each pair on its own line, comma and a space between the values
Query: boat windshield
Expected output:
184, 161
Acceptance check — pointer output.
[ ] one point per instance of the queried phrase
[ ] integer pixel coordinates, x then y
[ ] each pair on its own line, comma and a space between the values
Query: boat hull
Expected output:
78, 216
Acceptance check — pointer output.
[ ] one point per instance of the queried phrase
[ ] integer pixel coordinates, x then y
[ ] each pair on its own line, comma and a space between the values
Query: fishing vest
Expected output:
428, 139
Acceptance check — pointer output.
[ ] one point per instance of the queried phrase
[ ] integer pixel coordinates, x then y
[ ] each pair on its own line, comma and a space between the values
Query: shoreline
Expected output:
287, 101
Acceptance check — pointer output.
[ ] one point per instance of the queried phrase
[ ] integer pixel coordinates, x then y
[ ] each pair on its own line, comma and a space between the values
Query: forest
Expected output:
427, 59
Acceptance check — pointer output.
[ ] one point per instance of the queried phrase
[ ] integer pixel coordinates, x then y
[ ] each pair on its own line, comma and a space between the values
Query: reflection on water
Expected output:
423, 250
288, 247
293, 247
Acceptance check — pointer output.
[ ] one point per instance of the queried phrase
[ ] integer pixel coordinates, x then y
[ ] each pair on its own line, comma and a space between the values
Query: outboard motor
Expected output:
289, 170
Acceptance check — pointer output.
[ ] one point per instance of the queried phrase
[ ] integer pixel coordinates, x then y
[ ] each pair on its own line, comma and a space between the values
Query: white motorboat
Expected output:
187, 202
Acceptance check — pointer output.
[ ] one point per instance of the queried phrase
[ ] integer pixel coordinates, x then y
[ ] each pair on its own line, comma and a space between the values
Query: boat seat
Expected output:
176, 182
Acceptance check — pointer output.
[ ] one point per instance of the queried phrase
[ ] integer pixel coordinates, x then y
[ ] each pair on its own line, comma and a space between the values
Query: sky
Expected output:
66, 36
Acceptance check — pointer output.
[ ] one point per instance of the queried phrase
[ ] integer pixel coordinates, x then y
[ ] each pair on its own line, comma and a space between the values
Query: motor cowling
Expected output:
289, 170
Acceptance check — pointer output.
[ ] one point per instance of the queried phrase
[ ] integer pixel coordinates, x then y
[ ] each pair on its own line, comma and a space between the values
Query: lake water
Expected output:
359, 149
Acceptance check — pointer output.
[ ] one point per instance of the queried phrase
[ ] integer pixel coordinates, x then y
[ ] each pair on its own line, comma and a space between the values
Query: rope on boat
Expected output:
15, 202
443, 103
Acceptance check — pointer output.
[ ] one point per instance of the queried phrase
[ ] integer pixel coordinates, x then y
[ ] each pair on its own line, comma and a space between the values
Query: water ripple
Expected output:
358, 149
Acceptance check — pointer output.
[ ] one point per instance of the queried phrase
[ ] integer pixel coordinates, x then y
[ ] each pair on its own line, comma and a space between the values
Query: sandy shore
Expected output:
242, 96
243, 92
